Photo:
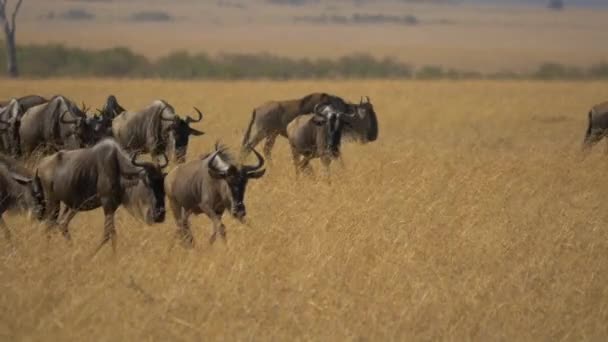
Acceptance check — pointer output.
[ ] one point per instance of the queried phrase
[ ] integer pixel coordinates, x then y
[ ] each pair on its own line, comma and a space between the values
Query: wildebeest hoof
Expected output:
212, 238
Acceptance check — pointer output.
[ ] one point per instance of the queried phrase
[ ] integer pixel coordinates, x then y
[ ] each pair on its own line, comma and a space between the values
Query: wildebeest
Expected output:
150, 130
58, 123
597, 127
101, 176
10, 116
26, 102
19, 190
11, 112
271, 119
209, 185
317, 135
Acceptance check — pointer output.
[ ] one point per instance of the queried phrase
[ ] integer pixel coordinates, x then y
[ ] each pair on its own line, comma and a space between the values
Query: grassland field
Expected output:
473, 217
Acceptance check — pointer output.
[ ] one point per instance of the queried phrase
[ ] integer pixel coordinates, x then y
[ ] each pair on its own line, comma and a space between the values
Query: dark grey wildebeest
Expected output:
19, 190
102, 120
100, 176
597, 127
209, 185
270, 120
153, 128
317, 135
58, 123
111, 109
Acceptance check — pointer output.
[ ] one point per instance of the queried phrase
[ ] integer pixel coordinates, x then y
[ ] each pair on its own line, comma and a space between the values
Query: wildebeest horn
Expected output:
367, 99
200, 116
361, 101
211, 165
162, 111
84, 108
166, 163
134, 159
257, 167
63, 120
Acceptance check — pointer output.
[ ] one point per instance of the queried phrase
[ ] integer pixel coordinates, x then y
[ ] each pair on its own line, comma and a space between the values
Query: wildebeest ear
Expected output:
21, 179
195, 132
256, 174
318, 120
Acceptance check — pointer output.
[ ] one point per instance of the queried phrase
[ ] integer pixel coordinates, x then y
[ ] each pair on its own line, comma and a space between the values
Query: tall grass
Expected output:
473, 217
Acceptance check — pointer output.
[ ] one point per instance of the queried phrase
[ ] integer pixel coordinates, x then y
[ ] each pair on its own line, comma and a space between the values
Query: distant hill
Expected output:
567, 3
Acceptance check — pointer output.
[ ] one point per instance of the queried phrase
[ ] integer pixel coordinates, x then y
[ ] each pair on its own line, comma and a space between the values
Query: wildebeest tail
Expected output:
590, 115
248, 131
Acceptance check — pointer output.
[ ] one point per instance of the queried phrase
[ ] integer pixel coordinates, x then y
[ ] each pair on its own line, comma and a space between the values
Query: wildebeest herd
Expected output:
84, 161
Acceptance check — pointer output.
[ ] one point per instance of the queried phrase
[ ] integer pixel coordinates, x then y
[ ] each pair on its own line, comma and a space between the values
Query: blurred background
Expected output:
314, 38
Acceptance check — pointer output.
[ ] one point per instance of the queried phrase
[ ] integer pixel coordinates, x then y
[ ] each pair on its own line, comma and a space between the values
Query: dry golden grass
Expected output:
480, 38
471, 218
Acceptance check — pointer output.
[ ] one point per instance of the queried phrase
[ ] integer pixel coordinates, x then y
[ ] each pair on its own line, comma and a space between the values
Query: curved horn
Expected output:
260, 162
200, 116
63, 120
361, 101
166, 163
134, 159
162, 111
212, 167
84, 108
367, 99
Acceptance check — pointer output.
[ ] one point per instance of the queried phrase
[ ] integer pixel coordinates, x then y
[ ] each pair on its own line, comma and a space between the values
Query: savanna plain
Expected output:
474, 216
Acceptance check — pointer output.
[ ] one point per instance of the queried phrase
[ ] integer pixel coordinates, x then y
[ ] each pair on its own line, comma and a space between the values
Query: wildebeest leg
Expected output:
326, 161
305, 165
218, 226
268, 145
7, 231
108, 229
53, 214
183, 225
591, 138
296, 160
186, 232
66, 217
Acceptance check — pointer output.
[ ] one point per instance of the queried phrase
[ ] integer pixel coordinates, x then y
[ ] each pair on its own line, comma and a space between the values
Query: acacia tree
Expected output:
9, 31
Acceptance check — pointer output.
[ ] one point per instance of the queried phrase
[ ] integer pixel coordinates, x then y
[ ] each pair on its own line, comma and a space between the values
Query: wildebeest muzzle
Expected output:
238, 211
158, 215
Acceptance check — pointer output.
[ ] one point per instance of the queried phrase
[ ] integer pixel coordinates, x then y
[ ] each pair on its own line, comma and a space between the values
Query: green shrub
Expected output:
54, 60
555, 71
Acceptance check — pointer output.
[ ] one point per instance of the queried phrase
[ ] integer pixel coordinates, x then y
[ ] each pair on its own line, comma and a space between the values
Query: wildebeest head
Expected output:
333, 121
182, 131
87, 131
111, 109
150, 180
364, 125
236, 177
33, 196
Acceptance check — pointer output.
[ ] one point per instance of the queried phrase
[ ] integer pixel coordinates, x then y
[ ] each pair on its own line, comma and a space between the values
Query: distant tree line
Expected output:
40, 61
